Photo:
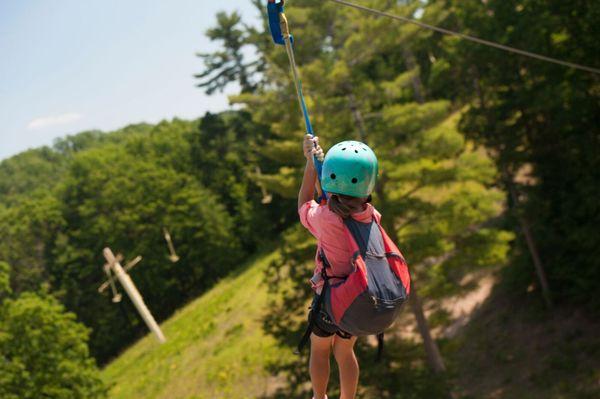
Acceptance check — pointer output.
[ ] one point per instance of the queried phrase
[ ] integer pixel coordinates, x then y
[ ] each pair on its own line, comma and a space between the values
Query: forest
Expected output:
489, 165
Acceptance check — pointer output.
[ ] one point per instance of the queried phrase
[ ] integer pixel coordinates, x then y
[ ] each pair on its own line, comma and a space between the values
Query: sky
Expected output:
70, 65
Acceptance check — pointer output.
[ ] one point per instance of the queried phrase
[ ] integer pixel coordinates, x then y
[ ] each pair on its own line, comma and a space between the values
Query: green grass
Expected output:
215, 348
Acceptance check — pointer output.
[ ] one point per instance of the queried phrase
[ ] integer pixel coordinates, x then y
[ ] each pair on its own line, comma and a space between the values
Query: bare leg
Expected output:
320, 351
343, 350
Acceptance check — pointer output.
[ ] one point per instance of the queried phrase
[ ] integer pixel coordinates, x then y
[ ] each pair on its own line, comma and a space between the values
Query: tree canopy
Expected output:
488, 160
43, 351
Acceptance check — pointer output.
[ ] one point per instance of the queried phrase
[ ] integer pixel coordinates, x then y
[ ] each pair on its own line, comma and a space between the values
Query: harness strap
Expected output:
380, 339
326, 265
314, 313
316, 309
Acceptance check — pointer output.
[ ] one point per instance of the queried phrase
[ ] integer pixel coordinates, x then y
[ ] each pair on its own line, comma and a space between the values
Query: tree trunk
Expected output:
434, 358
535, 255
417, 85
358, 119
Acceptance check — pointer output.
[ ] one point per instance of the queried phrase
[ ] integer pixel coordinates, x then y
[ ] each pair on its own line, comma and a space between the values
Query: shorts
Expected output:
323, 325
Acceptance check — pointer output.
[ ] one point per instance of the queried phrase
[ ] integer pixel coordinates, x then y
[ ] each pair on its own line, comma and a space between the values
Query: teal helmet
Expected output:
350, 168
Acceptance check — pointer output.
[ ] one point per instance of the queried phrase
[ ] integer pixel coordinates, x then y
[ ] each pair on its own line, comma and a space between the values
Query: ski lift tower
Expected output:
113, 267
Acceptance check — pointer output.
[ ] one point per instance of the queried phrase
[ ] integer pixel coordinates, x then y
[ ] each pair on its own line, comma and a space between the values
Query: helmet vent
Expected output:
332, 176
354, 180
344, 149
356, 151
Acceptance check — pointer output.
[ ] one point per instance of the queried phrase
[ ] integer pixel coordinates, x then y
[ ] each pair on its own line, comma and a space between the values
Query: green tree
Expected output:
38, 169
28, 229
228, 64
436, 188
43, 352
120, 189
122, 197
5, 289
540, 122
60, 206
228, 145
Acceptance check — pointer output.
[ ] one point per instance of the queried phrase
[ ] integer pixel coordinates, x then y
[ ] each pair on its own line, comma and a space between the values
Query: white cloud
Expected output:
55, 120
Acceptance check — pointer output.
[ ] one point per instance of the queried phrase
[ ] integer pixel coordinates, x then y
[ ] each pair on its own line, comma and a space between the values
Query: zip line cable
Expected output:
468, 37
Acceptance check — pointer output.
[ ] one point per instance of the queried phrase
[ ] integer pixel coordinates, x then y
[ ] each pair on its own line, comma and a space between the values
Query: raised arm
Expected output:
311, 148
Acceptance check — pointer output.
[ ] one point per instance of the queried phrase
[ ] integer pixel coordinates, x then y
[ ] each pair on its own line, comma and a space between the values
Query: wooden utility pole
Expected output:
266, 197
172, 254
115, 267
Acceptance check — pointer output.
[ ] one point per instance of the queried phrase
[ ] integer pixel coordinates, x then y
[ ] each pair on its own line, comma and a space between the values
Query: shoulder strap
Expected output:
353, 235
323, 258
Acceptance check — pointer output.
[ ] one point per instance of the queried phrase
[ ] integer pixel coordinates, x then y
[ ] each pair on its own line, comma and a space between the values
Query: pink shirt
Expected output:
328, 228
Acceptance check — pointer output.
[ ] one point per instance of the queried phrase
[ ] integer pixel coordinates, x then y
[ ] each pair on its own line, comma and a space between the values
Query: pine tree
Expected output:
229, 64
5, 289
435, 188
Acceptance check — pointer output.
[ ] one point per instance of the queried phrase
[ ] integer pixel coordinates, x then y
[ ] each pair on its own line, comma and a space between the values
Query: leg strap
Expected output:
314, 313
379, 346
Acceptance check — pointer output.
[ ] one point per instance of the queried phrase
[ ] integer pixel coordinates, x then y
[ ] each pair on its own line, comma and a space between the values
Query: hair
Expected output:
344, 205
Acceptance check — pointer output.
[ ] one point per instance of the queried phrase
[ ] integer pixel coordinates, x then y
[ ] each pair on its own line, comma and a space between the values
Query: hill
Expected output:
215, 347
495, 347
121, 189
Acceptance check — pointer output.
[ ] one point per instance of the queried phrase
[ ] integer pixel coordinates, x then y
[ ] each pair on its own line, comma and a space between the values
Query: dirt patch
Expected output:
459, 309
513, 348
505, 345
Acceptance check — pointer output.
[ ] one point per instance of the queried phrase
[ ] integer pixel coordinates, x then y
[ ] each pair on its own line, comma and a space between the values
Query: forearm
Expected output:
307, 189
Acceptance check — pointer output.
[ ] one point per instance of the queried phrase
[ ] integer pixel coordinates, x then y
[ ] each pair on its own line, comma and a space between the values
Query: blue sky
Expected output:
69, 66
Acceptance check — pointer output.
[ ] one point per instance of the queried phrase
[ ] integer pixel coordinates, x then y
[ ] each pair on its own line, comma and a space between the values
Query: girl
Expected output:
349, 174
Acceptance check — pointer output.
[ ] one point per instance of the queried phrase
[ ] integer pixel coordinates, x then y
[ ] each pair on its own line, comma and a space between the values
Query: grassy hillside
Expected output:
215, 347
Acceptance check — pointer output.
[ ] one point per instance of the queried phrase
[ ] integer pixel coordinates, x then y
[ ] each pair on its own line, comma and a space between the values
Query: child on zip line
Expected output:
361, 278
